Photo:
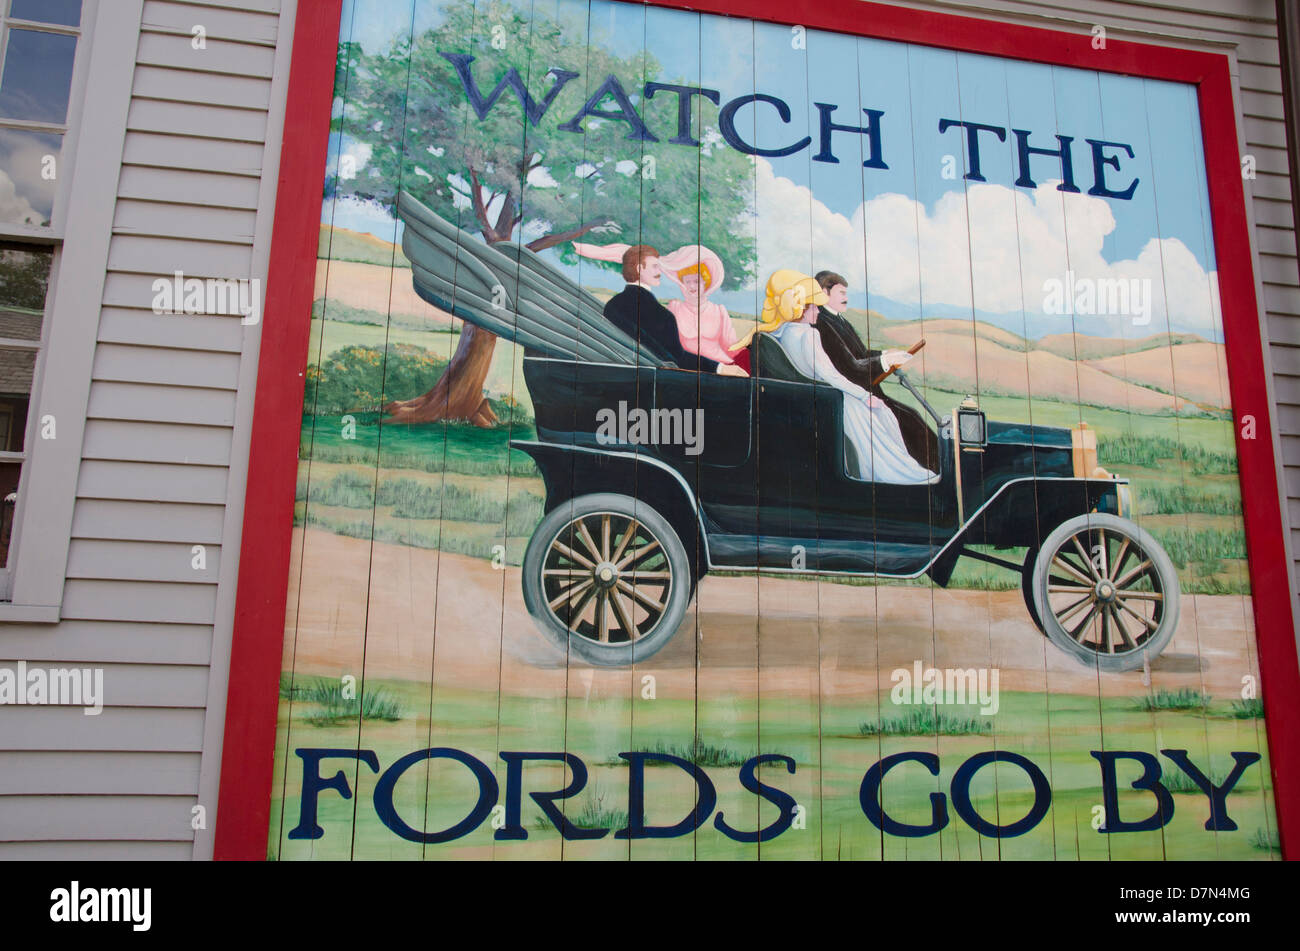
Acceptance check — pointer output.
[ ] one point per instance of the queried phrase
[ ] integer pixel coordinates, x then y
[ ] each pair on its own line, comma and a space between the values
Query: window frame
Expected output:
31, 583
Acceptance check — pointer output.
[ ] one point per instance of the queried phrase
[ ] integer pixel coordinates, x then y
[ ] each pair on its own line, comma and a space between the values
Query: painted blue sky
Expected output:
915, 239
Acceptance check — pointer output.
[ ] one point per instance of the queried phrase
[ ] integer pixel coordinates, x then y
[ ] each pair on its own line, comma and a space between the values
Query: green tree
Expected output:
505, 168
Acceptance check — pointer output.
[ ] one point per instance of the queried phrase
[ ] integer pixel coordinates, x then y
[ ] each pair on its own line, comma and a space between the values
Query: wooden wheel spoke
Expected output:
1142, 595
572, 555
1145, 620
641, 596
624, 619
568, 593
575, 615
637, 554
1092, 569
1073, 609
1117, 565
648, 575
602, 616
604, 537
1121, 627
628, 534
1058, 559
1077, 632
1123, 582
1068, 589
1104, 616
587, 540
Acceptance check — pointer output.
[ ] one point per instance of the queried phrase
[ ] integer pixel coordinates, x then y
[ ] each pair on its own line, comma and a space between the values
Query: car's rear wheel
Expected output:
1106, 592
607, 579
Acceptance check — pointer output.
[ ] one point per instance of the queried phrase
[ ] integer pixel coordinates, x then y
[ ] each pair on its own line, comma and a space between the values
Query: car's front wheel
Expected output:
1106, 592
607, 579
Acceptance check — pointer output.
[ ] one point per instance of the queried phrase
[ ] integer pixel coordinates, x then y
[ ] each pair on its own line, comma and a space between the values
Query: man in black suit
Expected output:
852, 358
635, 311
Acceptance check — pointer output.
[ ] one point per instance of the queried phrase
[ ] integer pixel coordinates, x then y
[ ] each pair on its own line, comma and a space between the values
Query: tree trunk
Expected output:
458, 394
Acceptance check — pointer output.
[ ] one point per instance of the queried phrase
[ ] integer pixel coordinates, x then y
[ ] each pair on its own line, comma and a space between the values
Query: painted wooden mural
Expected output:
729, 440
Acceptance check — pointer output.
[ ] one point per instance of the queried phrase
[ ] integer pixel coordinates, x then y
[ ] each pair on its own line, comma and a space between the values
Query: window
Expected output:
40, 59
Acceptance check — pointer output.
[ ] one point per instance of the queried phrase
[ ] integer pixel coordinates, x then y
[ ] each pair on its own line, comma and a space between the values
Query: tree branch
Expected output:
476, 200
551, 240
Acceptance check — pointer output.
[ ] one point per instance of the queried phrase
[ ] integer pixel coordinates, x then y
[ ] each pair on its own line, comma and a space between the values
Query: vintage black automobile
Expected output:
753, 475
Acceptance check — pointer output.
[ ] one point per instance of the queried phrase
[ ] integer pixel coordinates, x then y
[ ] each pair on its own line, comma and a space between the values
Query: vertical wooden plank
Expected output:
398, 641
600, 699
727, 603
329, 634
787, 686
1006, 641
1211, 627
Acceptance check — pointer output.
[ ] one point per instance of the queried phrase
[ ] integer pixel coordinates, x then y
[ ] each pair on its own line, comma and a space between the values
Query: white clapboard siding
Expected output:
113, 773
114, 519
201, 224
70, 850
160, 150
81, 817
148, 482
119, 600
138, 685
101, 641
166, 366
156, 442
188, 188
221, 56
178, 331
143, 561
174, 85
115, 728
173, 404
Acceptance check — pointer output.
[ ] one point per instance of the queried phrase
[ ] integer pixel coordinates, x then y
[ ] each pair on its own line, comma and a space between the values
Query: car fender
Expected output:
569, 471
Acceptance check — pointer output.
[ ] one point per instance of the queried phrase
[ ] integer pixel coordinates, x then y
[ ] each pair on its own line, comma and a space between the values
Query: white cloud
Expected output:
626, 167
15, 208
1017, 241
353, 157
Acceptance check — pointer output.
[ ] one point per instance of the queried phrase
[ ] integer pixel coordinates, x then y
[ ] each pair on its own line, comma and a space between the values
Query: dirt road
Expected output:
404, 612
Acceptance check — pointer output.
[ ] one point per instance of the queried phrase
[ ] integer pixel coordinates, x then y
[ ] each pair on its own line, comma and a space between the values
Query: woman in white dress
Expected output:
789, 313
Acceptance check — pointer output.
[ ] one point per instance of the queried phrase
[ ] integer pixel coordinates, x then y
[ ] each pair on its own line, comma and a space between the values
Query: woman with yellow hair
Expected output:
789, 313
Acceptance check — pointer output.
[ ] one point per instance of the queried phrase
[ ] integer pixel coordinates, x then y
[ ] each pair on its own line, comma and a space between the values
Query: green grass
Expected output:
1207, 545
1176, 781
427, 447
924, 721
1250, 709
410, 499
1265, 842
333, 707
1156, 499
1153, 451
700, 753
1184, 698
595, 814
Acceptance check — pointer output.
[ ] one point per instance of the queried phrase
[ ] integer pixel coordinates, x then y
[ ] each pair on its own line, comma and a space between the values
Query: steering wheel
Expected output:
915, 348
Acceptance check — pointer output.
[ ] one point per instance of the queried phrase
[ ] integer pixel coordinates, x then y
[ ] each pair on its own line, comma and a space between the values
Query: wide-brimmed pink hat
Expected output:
683, 259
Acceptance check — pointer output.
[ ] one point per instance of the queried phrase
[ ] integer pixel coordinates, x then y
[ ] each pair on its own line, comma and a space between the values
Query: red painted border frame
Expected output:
243, 811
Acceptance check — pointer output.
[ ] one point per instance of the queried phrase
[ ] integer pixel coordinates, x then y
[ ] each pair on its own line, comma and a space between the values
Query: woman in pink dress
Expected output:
703, 326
